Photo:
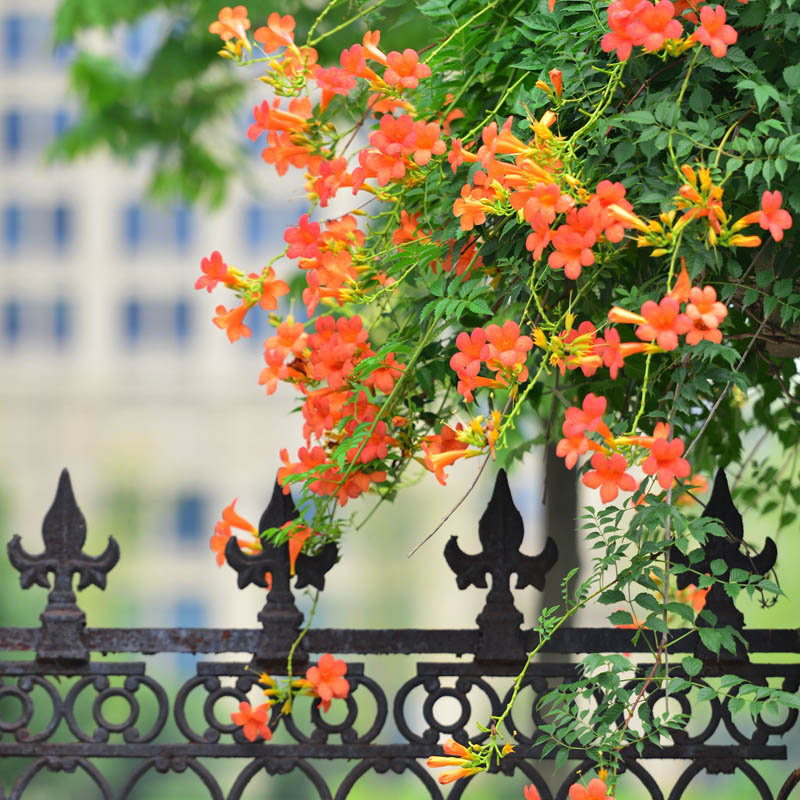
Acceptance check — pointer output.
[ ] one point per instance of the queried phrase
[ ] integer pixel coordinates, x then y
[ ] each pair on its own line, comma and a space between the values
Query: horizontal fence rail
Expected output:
59, 721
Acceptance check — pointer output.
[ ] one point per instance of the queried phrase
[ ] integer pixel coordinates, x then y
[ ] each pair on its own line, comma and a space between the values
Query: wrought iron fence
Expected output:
59, 695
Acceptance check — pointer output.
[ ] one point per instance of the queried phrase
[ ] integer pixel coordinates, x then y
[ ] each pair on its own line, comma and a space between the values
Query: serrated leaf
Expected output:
750, 296
700, 99
692, 666
621, 618
711, 638
640, 117
752, 169
791, 75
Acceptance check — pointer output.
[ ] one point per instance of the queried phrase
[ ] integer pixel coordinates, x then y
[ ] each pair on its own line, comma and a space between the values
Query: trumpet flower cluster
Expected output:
494, 259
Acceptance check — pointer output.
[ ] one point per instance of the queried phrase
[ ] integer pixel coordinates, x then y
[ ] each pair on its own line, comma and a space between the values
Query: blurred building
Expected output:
110, 365
109, 362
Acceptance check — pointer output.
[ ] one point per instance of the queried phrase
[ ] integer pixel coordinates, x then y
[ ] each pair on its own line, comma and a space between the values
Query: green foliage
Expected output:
182, 105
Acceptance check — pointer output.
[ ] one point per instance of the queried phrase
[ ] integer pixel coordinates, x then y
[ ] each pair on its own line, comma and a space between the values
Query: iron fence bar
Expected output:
377, 641
710, 753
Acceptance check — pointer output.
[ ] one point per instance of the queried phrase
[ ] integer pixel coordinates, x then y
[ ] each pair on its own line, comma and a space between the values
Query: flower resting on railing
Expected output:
325, 681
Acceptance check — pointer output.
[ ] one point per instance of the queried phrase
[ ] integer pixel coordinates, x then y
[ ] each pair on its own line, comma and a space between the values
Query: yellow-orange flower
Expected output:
232, 22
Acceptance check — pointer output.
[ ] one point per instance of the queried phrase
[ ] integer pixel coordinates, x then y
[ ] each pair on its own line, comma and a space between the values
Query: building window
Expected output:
62, 226
257, 320
147, 228
27, 39
13, 41
264, 224
62, 322
33, 228
131, 321
12, 132
132, 226
47, 323
12, 227
183, 226
156, 322
28, 132
190, 613
183, 321
142, 38
190, 517
11, 321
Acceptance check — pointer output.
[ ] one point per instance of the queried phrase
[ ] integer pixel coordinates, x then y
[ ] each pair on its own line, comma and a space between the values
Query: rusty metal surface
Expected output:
59, 695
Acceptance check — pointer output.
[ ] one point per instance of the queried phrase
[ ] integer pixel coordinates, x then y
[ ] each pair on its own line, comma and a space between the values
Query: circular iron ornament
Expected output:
102, 721
381, 765
55, 764
105, 691
435, 692
22, 691
681, 736
210, 736
323, 728
279, 766
163, 765
443, 727
429, 684
132, 684
216, 726
464, 684
763, 729
25, 710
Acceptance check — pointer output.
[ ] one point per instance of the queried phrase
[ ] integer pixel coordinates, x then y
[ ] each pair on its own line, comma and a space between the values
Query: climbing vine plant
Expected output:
576, 212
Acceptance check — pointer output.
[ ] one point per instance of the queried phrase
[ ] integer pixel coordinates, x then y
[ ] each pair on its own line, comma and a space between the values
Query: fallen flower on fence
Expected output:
326, 681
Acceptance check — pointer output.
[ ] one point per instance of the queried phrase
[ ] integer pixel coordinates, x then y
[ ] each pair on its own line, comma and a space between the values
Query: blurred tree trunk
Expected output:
560, 498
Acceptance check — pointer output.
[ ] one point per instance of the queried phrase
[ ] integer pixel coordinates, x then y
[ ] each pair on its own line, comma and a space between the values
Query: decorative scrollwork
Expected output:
127, 692
346, 729
22, 692
435, 692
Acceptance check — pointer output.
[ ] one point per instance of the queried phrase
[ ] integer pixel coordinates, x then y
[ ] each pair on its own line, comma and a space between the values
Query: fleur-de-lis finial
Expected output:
500, 531
727, 549
280, 616
64, 534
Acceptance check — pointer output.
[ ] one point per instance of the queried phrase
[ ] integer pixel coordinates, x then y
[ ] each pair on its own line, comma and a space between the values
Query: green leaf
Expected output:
640, 117
711, 638
718, 566
750, 296
682, 610
732, 164
752, 169
764, 92
770, 304
791, 75
700, 99
621, 618
764, 278
692, 666
646, 600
